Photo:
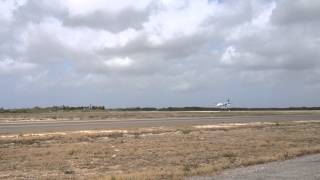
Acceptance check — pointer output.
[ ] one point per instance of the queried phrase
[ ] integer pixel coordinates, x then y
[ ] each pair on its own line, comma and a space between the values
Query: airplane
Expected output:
224, 105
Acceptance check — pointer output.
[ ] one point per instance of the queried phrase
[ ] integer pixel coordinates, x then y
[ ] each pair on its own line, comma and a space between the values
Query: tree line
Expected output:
103, 108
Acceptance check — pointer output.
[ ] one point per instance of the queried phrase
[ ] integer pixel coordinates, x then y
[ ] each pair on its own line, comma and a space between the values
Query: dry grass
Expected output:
158, 153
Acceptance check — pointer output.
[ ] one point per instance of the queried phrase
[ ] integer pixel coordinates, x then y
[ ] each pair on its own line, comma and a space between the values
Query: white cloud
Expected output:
176, 19
199, 47
296, 12
10, 66
260, 22
182, 87
7, 7
119, 63
85, 7
35, 77
229, 55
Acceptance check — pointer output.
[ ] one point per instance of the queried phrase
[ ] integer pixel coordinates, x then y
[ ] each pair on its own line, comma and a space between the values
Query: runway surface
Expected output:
306, 168
74, 125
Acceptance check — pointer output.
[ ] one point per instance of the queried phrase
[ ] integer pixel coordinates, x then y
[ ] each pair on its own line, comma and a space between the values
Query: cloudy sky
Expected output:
120, 53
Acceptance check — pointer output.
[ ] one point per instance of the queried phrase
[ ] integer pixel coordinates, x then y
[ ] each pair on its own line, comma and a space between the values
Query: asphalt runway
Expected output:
306, 168
75, 125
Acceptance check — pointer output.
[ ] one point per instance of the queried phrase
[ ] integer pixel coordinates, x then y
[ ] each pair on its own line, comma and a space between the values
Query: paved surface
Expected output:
71, 125
303, 168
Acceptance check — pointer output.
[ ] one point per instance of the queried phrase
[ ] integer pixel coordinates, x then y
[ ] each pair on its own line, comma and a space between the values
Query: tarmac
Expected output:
301, 168
75, 125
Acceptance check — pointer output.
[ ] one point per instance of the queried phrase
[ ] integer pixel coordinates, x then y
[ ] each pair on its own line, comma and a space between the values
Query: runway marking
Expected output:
231, 125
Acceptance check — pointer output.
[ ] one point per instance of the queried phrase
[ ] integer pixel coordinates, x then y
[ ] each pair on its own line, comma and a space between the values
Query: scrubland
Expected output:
153, 153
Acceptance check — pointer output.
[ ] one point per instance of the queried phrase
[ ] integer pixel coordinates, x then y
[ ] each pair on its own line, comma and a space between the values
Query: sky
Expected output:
160, 53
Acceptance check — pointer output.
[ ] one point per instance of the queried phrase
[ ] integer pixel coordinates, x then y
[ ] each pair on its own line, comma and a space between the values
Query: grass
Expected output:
158, 153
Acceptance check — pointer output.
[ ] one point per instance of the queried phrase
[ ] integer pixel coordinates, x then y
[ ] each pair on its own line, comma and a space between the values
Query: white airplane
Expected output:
224, 105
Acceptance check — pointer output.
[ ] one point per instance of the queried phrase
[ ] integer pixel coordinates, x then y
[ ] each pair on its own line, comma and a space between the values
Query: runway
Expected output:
306, 167
75, 125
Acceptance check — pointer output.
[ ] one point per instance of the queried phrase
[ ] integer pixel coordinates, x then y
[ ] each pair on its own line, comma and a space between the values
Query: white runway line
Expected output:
231, 125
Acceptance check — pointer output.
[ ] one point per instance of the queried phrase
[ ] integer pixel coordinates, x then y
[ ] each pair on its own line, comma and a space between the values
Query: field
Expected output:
150, 153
